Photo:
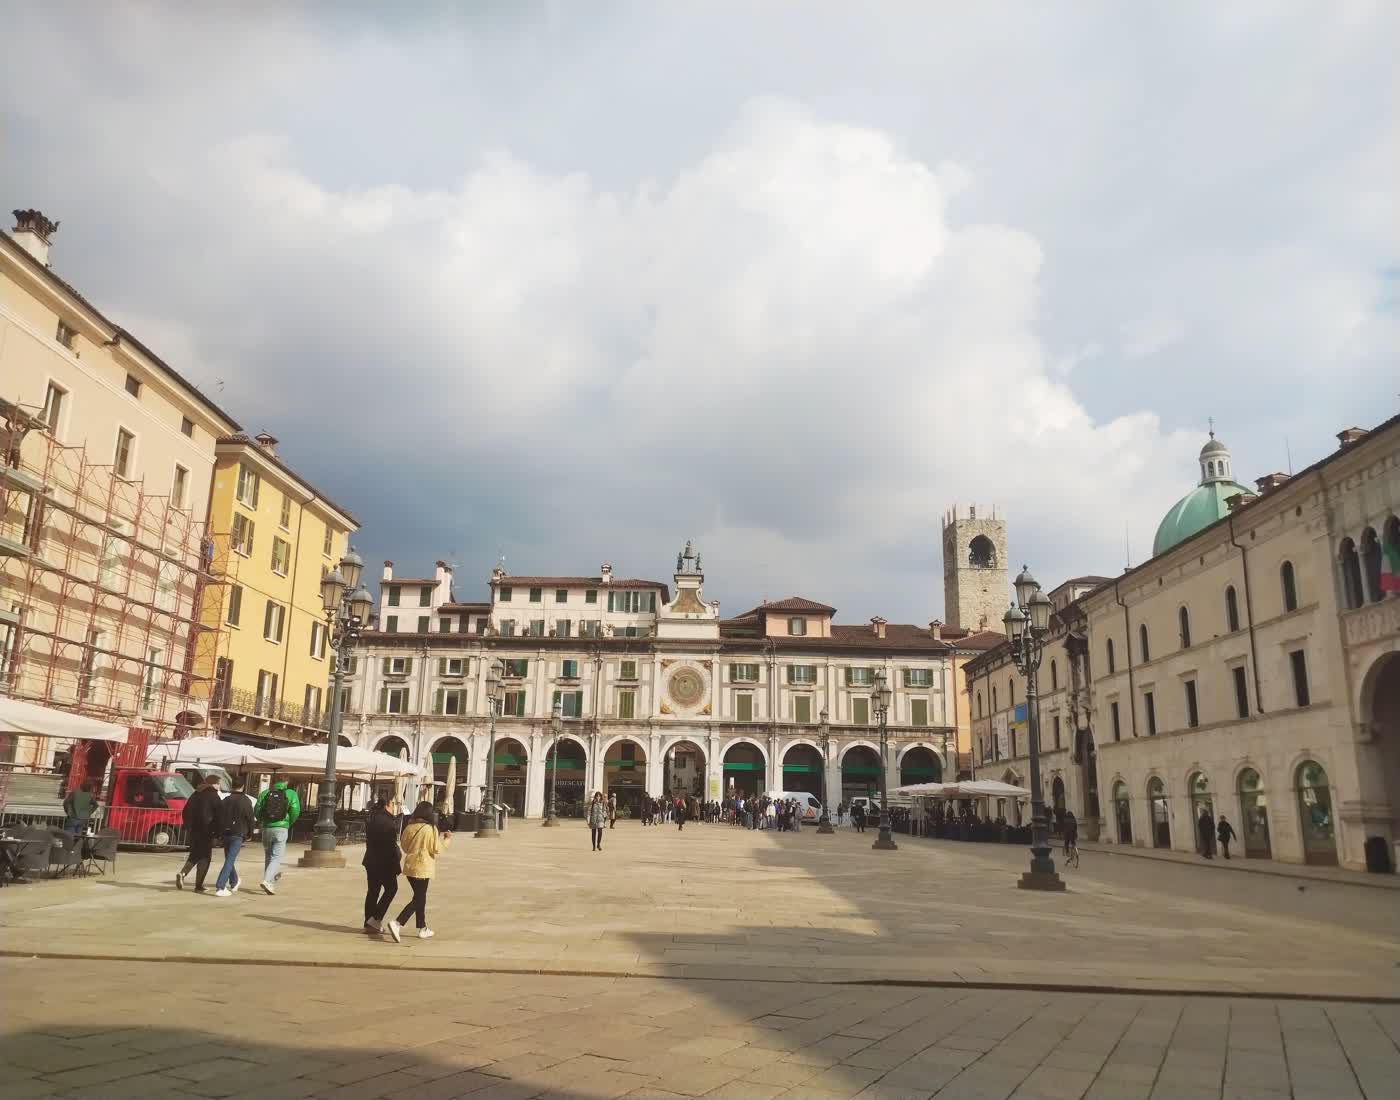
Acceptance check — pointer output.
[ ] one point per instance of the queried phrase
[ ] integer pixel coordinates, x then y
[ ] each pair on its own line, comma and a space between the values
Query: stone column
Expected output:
537, 745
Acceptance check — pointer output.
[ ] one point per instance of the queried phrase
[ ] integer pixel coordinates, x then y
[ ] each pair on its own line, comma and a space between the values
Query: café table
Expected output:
9, 859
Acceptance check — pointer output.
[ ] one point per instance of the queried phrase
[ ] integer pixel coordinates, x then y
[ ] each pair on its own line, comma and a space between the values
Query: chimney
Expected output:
877, 624
936, 629
1269, 482
1239, 500
606, 572
388, 573
267, 442
32, 232
1349, 436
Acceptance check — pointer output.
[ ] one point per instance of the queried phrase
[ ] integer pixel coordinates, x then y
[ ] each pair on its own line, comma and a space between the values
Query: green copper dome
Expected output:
1204, 504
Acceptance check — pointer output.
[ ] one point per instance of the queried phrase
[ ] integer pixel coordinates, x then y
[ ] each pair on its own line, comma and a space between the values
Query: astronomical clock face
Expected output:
686, 687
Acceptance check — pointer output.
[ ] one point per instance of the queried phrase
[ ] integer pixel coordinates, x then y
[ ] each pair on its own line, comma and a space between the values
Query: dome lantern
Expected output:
1206, 503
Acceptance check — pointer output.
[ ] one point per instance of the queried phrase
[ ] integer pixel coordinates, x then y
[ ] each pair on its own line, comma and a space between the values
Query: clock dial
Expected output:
686, 687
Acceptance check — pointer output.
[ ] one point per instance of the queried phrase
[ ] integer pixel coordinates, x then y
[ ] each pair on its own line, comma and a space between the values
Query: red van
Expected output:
147, 807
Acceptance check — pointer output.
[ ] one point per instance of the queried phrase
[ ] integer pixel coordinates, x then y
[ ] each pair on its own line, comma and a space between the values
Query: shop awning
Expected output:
33, 720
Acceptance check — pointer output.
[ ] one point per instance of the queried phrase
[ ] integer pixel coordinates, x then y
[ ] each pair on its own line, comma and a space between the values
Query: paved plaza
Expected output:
712, 961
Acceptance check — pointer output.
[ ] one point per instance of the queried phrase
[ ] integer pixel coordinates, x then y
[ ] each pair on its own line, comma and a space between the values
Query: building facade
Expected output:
657, 693
1248, 669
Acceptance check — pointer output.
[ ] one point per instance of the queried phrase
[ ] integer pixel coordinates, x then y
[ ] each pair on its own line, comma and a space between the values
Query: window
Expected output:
1232, 610
536, 629
445, 625
425, 596
627, 704
1299, 662
1011, 691
393, 700
1054, 676
632, 600
918, 712
242, 534
994, 697
451, 666
66, 335
802, 674
860, 712
424, 623
561, 595
88, 666
802, 709
743, 707
391, 624
1117, 727
1144, 651
536, 595
273, 619
318, 640
627, 670
345, 700
326, 542
563, 628
133, 385
1108, 650
860, 677
247, 489
918, 677
281, 555
591, 596
1371, 564
1183, 618
397, 666
187, 426
590, 628
235, 604
505, 593
179, 487
979, 704
53, 406
1057, 731
1241, 691
571, 702
1193, 714
797, 627
450, 701
1149, 710
507, 628
568, 670
311, 704
1290, 587
121, 460
350, 664
514, 705
266, 699
481, 624
393, 595
284, 518
148, 682
517, 666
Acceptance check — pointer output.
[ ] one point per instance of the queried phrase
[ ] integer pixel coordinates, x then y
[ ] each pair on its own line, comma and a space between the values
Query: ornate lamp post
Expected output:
1027, 621
486, 816
824, 825
556, 724
880, 696
347, 606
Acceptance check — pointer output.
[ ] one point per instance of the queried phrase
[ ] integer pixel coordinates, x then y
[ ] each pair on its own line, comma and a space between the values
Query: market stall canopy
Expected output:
985, 788
206, 750
17, 716
311, 760
922, 789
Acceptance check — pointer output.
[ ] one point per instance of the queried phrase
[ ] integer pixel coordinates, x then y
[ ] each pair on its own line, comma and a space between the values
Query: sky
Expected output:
570, 283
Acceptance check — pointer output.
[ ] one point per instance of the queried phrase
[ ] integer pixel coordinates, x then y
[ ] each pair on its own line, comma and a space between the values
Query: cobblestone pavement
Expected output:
715, 902
110, 1030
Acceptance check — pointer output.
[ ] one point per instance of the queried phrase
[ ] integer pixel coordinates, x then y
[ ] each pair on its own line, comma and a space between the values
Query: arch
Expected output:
1159, 812
394, 745
1202, 802
1054, 675
449, 759
1254, 814
1289, 583
1108, 652
1011, 691
683, 767
860, 771
566, 775
1380, 711
1057, 797
981, 553
1350, 564
1122, 811
803, 768
920, 764
994, 697
1144, 652
625, 773
979, 704
1183, 621
745, 765
1316, 818
1371, 564
1232, 609
509, 773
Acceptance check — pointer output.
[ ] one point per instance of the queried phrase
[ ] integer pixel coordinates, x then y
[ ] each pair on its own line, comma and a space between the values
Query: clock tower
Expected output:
688, 616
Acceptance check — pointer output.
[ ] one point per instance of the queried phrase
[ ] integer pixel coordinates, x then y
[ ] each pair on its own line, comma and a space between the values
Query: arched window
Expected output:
1054, 676
994, 697
1232, 610
1183, 618
1350, 563
1290, 586
1371, 563
979, 704
1011, 691
981, 553
1159, 814
1254, 815
1143, 651
1122, 812
1108, 650
1315, 813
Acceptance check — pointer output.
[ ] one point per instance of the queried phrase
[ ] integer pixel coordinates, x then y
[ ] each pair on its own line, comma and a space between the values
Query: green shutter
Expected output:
383, 700
385, 668
408, 664
437, 701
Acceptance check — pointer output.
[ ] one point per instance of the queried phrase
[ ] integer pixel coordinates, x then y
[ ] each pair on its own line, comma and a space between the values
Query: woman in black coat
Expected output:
381, 862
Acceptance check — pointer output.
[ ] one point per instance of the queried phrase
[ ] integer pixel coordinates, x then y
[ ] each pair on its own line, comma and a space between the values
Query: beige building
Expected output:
1248, 669
104, 554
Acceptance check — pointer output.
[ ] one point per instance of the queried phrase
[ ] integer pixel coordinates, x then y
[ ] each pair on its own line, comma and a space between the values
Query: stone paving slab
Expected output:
719, 903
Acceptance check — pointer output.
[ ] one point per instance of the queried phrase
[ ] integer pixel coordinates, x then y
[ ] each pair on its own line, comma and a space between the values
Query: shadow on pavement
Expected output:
319, 926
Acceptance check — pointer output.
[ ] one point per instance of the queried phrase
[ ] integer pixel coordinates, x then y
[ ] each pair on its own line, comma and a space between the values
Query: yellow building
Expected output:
265, 646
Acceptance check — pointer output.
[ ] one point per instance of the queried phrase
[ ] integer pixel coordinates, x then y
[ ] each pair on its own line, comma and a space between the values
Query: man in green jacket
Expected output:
276, 811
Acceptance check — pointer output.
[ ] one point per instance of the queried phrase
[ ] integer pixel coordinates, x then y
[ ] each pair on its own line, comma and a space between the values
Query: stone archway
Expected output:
566, 775
860, 774
509, 775
802, 769
625, 775
449, 782
682, 769
920, 764
1380, 711
745, 769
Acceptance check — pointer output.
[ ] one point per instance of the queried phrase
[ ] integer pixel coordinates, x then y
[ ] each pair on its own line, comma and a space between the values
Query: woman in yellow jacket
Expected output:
422, 843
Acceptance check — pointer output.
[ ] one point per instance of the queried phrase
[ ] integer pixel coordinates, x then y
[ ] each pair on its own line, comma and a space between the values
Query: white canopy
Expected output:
17, 716
921, 789
987, 788
205, 750
311, 760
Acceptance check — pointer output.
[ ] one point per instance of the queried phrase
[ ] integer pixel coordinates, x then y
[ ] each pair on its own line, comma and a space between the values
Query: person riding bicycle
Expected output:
1071, 831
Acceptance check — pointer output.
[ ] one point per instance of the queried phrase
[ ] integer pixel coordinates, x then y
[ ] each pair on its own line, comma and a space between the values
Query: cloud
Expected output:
1151, 335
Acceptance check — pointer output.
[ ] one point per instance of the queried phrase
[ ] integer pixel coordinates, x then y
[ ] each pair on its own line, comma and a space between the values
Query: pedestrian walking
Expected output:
1205, 827
381, 862
422, 843
276, 811
612, 811
200, 816
235, 816
597, 817
1225, 832
682, 812
78, 809
858, 817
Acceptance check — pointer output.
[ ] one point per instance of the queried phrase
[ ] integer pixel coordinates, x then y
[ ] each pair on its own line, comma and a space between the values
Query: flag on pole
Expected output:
1390, 559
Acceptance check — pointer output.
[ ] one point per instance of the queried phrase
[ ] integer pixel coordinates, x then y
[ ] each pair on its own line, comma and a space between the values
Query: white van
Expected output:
809, 804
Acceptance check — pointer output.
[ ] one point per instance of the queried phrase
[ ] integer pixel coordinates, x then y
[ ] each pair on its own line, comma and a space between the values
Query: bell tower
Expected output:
976, 585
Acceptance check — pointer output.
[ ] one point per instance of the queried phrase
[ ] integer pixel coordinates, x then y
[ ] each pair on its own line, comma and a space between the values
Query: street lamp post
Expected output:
347, 606
557, 724
486, 815
824, 825
881, 698
1027, 621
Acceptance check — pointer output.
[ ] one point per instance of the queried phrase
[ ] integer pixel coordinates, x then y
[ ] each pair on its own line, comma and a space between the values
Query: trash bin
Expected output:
1378, 856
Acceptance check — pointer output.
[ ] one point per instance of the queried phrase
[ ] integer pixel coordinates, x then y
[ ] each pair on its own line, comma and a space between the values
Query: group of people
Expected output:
1209, 832
762, 812
214, 820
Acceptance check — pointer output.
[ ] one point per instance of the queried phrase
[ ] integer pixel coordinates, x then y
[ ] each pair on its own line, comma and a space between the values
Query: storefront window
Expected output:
1315, 814
1161, 819
1122, 812
1201, 802
1254, 815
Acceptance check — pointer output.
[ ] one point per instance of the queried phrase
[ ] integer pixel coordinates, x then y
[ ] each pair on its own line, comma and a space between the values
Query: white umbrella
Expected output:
205, 750
349, 761
399, 780
451, 783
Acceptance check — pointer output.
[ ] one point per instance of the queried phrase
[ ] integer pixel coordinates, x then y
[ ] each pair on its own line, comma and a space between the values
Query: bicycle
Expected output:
1071, 854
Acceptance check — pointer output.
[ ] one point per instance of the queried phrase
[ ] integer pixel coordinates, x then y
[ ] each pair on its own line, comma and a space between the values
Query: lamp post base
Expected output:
885, 843
550, 822
321, 858
824, 827
484, 833
1041, 880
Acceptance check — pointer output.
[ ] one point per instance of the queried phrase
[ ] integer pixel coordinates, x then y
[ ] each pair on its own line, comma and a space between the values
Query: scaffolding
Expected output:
104, 587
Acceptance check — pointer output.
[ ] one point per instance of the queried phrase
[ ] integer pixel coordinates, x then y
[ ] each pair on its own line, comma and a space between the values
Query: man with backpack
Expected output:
277, 811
